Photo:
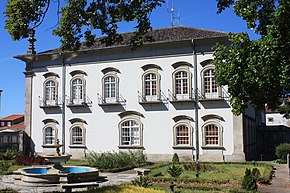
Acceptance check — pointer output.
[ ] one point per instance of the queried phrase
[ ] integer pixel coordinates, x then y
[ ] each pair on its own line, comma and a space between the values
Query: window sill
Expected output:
77, 146
130, 147
212, 147
183, 147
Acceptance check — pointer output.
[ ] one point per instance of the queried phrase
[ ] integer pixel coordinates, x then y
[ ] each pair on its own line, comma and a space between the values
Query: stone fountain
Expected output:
57, 173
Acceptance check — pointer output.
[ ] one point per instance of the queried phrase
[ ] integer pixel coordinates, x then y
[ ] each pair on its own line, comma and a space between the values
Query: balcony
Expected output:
84, 102
49, 103
152, 99
181, 98
220, 95
111, 101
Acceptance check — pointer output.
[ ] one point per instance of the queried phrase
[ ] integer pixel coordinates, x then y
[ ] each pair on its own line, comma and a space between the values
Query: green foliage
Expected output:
175, 159
9, 154
4, 165
79, 18
142, 181
8, 190
201, 166
260, 65
282, 150
113, 161
249, 182
175, 171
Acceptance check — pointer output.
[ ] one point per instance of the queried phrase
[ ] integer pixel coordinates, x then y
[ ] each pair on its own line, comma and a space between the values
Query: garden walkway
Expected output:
280, 182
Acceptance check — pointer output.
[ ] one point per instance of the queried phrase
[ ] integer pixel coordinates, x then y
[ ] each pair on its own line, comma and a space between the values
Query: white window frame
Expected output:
53, 136
73, 141
111, 88
185, 83
189, 137
212, 90
131, 135
148, 85
50, 92
218, 135
78, 91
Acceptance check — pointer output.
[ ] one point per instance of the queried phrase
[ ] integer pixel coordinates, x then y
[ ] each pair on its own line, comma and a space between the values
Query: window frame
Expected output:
46, 101
83, 136
182, 96
157, 80
108, 99
190, 134
82, 98
220, 134
140, 124
55, 136
209, 95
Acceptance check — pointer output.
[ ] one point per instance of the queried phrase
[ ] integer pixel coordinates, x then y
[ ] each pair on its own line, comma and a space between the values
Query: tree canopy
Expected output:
256, 71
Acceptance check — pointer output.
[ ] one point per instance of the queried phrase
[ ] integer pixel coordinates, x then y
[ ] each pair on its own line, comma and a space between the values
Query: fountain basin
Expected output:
72, 174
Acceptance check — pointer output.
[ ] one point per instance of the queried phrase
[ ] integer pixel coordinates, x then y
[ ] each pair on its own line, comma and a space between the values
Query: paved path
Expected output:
280, 182
8, 181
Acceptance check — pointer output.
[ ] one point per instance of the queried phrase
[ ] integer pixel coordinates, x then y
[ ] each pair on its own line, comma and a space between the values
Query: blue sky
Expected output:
193, 13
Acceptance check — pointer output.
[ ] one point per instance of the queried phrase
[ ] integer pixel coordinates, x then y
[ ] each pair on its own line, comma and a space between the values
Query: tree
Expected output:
79, 18
257, 71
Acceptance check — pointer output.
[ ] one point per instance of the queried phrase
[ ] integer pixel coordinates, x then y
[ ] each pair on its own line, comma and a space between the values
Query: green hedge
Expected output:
282, 150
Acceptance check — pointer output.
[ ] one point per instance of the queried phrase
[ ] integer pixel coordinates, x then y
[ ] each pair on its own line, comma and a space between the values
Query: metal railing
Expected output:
114, 100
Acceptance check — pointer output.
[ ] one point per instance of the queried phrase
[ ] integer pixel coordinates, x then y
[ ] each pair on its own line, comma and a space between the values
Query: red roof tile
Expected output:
12, 117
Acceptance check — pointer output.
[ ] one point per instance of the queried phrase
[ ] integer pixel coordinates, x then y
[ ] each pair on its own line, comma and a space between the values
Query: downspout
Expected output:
63, 102
196, 105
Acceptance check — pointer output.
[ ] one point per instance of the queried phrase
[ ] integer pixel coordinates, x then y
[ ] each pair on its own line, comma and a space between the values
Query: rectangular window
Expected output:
212, 135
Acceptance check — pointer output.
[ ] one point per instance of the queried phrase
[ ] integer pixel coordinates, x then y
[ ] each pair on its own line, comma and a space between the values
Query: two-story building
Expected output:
161, 98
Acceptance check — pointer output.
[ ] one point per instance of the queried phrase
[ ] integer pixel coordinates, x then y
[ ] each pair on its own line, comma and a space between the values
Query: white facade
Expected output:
116, 99
276, 119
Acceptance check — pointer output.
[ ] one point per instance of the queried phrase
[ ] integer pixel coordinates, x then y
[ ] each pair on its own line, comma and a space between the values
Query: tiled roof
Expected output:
162, 35
12, 117
19, 126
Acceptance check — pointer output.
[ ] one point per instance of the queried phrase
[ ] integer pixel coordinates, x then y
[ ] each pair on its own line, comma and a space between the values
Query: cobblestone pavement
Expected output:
280, 182
10, 181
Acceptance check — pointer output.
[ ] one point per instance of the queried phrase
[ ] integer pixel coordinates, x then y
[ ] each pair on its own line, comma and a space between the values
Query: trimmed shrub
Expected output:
4, 165
175, 159
282, 150
142, 181
8, 190
202, 167
113, 161
175, 171
249, 182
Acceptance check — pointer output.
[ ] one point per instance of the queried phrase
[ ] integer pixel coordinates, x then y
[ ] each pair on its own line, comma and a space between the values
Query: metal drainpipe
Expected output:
196, 105
63, 101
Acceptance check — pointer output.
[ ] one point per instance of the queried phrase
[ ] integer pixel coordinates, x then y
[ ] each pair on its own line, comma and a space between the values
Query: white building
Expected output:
116, 99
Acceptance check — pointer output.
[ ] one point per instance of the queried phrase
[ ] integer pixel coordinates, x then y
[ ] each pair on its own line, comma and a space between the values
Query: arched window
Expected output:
50, 134
77, 132
131, 132
151, 85
50, 90
182, 84
77, 91
182, 133
209, 86
212, 134
110, 88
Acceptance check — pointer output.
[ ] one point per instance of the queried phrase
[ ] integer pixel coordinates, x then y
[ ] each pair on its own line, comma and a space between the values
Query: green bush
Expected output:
113, 161
282, 150
175, 159
8, 190
249, 182
9, 154
142, 181
4, 165
175, 171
